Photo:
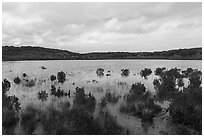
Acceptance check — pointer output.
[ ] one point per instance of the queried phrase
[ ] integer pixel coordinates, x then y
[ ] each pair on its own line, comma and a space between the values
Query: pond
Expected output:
82, 74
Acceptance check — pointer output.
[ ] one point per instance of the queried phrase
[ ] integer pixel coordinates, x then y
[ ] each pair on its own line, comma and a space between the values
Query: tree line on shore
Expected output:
11, 53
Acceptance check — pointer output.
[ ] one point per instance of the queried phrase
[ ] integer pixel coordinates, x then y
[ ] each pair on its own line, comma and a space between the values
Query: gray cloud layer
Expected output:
85, 27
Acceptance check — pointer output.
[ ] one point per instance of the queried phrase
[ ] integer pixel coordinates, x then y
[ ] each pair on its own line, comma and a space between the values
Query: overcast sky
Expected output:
87, 27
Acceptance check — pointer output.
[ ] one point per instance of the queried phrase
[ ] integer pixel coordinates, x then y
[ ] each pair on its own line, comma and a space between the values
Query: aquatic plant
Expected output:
100, 71
5, 86
17, 80
186, 106
135, 92
156, 82
10, 108
103, 102
52, 77
9, 120
111, 97
85, 101
94, 81
69, 122
159, 71
30, 119
30, 83
180, 82
109, 126
61, 76
58, 93
24, 75
195, 78
42, 95
187, 72
146, 72
125, 72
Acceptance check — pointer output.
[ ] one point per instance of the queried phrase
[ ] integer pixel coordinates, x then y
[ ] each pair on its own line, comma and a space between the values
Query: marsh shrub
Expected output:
137, 90
17, 80
186, 106
146, 72
58, 93
24, 75
5, 85
112, 97
61, 76
159, 71
42, 95
100, 71
52, 77
109, 126
125, 72
30, 83
85, 101
30, 119
10, 108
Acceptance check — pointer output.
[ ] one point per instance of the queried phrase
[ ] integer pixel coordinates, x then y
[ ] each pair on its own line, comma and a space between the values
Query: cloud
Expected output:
86, 27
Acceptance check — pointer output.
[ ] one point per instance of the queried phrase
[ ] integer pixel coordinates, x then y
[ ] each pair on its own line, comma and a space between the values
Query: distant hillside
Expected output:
10, 53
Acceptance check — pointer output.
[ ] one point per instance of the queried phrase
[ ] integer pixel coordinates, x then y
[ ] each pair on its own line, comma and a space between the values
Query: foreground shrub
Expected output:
10, 108
109, 126
137, 90
5, 85
30, 119
83, 100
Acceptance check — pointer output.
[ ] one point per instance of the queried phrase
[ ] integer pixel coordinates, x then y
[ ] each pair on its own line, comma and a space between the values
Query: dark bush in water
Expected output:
125, 72
58, 93
100, 72
61, 76
52, 78
137, 90
42, 95
5, 85
83, 100
17, 80
30, 83
146, 72
111, 97
159, 71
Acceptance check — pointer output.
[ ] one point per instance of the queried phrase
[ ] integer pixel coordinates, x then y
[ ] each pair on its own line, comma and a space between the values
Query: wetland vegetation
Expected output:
177, 100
